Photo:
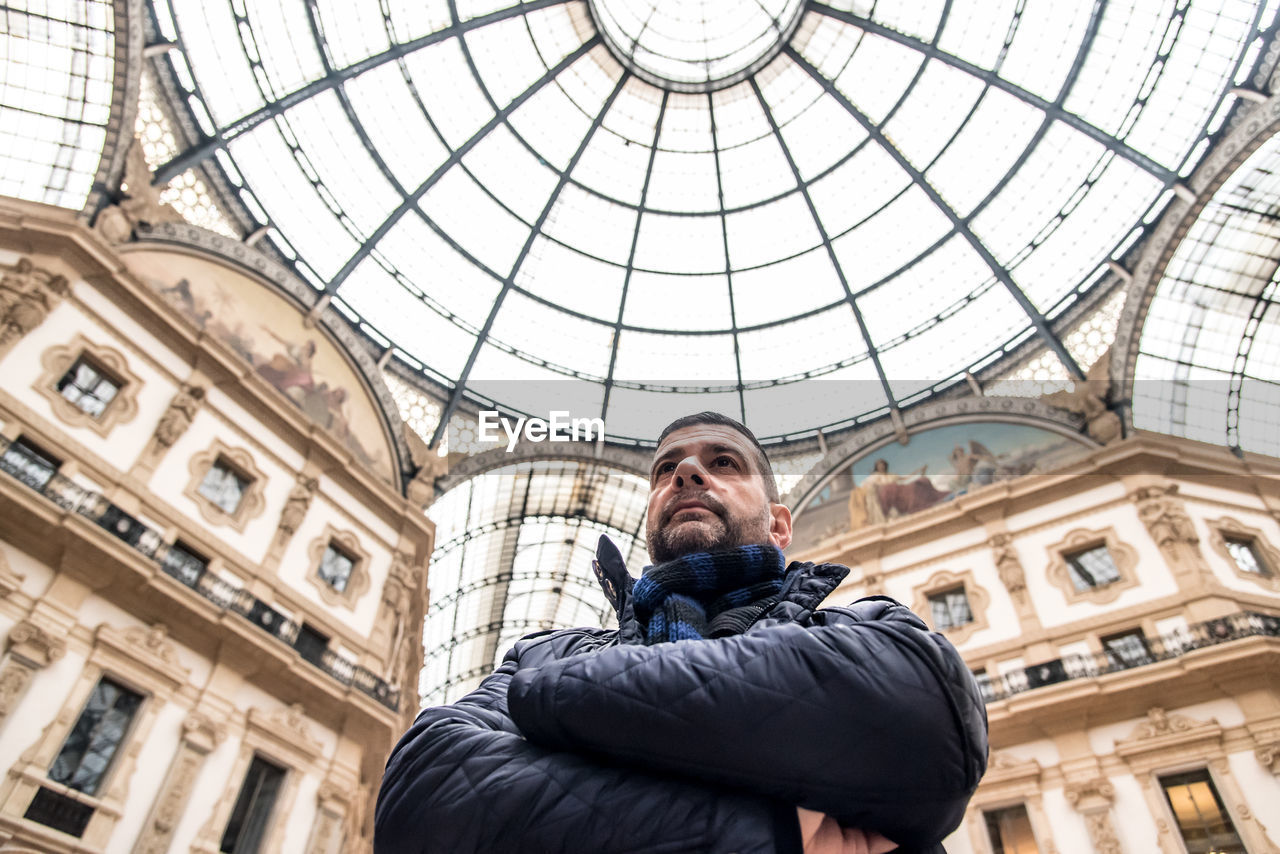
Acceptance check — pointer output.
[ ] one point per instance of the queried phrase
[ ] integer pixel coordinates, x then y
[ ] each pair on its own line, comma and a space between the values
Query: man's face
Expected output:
706, 493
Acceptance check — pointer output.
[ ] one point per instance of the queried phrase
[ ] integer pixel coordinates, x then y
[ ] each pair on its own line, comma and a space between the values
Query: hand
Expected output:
822, 835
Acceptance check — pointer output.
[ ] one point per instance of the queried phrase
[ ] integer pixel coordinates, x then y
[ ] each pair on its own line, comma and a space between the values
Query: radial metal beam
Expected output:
459, 388
454, 158
958, 223
631, 256
1052, 108
826, 242
728, 267
203, 150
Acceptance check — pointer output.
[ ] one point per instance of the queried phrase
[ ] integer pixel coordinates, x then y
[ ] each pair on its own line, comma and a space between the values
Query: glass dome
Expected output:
806, 214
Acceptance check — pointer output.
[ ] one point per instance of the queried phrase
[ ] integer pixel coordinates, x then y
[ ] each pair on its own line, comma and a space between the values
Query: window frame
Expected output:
1215, 790
358, 581
239, 461
1124, 556
272, 810
945, 581
58, 361
1228, 528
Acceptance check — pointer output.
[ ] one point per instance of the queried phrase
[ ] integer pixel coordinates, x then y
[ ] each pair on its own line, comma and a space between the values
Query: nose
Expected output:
689, 472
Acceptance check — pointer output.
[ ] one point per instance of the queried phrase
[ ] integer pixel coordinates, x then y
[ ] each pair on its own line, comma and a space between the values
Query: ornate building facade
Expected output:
211, 582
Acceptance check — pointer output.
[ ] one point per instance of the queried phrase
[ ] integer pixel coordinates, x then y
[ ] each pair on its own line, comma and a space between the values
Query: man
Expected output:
727, 713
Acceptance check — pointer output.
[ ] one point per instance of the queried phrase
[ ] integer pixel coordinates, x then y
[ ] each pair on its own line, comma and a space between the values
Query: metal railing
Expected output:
178, 564
1139, 653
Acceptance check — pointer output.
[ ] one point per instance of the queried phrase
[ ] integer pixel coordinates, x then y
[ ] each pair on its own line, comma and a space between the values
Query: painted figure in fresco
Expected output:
883, 495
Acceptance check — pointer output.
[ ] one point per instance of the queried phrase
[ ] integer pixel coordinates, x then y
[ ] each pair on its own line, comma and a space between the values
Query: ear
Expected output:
779, 525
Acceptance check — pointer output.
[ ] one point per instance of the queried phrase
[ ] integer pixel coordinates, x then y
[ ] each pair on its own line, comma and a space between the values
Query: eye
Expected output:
663, 468
724, 461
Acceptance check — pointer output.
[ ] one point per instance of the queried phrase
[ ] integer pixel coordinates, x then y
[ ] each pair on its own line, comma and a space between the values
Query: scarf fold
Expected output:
708, 594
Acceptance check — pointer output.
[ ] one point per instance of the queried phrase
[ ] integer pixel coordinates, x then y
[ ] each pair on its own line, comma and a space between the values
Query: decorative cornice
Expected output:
629, 460
35, 644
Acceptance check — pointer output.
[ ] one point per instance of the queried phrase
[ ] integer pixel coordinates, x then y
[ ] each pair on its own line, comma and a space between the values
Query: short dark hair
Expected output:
761, 458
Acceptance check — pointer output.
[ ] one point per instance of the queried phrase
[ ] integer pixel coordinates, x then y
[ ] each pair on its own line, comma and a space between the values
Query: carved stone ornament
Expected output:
27, 295
1083, 792
1008, 566
148, 649
295, 506
1101, 833
1162, 512
139, 204
179, 415
203, 731
1090, 398
1159, 722
1269, 755
35, 645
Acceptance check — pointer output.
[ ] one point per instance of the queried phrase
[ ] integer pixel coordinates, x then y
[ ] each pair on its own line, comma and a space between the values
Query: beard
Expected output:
722, 530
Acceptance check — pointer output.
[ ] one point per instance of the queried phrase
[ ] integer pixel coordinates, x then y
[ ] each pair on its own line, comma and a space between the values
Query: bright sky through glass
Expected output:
900, 192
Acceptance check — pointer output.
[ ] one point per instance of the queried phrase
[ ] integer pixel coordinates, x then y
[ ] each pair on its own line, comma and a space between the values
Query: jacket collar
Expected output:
807, 584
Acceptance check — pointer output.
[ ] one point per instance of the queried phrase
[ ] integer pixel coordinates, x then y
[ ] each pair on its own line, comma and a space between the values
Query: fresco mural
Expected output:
269, 334
936, 465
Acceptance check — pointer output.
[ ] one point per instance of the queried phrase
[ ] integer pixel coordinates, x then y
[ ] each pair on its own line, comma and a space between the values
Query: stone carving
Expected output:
1159, 722
1162, 512
155, 641
15, 676
397, 602
1008, 566
27, 295
1101, 833
140, 204
1269, 755
9, 580
1090, 398
295, 506
35, 645
178, 417
1097, 789
421, 490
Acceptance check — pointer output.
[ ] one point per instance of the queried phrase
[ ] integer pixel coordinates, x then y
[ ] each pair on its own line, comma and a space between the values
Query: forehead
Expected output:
691, 440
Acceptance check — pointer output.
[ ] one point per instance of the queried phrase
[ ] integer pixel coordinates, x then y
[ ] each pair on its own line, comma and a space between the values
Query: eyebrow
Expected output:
676, 452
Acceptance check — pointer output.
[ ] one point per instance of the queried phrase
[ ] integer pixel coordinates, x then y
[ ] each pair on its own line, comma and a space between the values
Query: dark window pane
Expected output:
92, 743
28, 464
335, 568
950, 609
184, 564
1092, 567
86, 386
56, 810
1202, 819
310, 644
252, 812
224, 486
1010, 831
1127, 649
1246, 556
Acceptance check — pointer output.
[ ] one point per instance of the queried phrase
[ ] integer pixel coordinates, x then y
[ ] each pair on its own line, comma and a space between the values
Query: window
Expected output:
1248, 557
1126, 649
86, 755
311, 644
28, 463
1010, 832
985, 688
1202, 819
247, 827
335, 567
950, 609
1092, 567
184, 564
88, 387
224, 486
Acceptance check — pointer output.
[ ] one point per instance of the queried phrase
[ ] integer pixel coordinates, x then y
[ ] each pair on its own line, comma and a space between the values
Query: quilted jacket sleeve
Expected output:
863, 715
463, 780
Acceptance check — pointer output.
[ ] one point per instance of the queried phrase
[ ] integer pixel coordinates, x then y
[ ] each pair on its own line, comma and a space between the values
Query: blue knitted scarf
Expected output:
708, 594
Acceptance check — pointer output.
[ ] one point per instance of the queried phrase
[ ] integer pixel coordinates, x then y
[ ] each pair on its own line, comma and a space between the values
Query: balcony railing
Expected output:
1138, 654
183, 567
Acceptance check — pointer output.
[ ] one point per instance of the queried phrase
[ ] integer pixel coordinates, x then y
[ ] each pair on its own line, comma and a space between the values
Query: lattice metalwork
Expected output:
1208, 362
860, 203
55, 97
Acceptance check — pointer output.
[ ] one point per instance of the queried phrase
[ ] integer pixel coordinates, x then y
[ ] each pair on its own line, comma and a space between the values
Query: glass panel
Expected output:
950, 609
335, 568
252, 812
1202, 818
1127, 649
1010, 831
1245, 554
32, 467
87, 388
224, 486
86, 755
1092, 567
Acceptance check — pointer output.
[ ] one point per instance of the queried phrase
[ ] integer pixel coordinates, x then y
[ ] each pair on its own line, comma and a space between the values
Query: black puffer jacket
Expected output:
585, 741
